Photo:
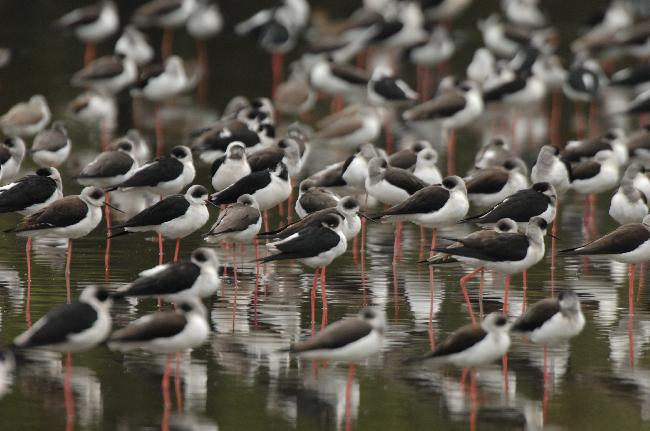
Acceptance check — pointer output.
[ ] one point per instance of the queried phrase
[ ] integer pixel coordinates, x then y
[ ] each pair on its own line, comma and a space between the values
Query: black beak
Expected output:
114, 208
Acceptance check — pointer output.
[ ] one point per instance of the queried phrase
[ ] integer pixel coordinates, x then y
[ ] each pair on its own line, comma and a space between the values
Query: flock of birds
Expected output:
260, 147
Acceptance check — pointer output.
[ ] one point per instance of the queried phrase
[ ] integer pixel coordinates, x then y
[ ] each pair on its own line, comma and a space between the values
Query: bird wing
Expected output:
487, 181
444, 105
174, 278
585, 170
461, 339
536, 315
404, 180
64, 212
336, 335
494, 248
58, 324
623, 239
149, 175
265, 159
426, 200
249, 184
158, 325
25, 192
108, 164
308, 242
159, 213
235, 218
520, 207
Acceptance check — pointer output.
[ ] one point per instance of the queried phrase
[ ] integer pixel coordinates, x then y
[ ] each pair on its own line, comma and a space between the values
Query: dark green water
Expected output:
237, 381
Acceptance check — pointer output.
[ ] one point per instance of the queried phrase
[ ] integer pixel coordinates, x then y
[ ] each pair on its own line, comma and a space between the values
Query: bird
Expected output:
432, 206
348, 175
536, 201
173, 217
551, 168
351, 128
92, 24
506, 253
494, 152
596, 175
160, 83
390, 185
629, 204
164, 176
314, 245
385, 89
52, 146
487, 187
12, 153
94, 108
26, 119
168, 14
70, 217
268, 187
110, 168
552, 320
238, 223
425, 166
312, 198
474, 345
629, 243
74, 327
165, 331
349, 340
110, 74
176, 282
229, 168
408, 157
453, 109
29, 195
134, 45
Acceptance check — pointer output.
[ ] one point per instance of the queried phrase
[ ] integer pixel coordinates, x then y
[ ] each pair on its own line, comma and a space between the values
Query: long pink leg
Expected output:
177, 250
277, 66
348, 397
67, 393
323, 291
160, 138
161, 255
506, 290
464, 280
68, 258
473, 400
28, 253
546, 385
90, 52
313, 302
107, 252
524, 278
167, 43
177, 384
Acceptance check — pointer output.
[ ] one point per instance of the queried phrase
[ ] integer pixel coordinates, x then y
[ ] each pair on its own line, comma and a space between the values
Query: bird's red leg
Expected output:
464, 280
277, 66
107, 252
323, 291
348, 396
68, 395
630, 288
313, 302
524, 278
167, 43
90, 52
160, 138
161, 255
177, 249
473, 400
28, 253
165, 393
506, 291
546, 385
177, 384
68, 259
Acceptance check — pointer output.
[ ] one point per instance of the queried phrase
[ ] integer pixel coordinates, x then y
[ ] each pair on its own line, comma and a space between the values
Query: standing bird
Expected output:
167, 14
312, 198
165, 176
426, 168
71, 217
551, 168
165, 332
134, 45
29, 195
537, 201
487, 187
453, 109
12, 153
92, 24
74, 327
315, 245
196, 278
238, 223
26, 118
506, 253
350, 340
109, 74
629, 204
229, 168
475, 345
110, 168
552, 320
173, 217
51, 147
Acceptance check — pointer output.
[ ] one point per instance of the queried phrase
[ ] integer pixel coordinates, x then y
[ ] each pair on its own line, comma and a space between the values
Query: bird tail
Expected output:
120, 231
440, 259
571, 251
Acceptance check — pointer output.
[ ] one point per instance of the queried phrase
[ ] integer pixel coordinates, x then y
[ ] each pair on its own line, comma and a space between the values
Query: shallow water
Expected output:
238, 380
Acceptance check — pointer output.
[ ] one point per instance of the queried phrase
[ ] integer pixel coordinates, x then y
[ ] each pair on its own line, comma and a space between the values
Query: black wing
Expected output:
487, 181
247, 185
175, 278
150, 175
387, 87
537, 315
504, 247
404, 180
336, 335
500, 91
162, 325
310, 242
426, 200
217, 164
266, 159
623, 239
67, 211
460, 340
585, 170
108, 164
61, 322
27, 191
159, 213
520, 207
